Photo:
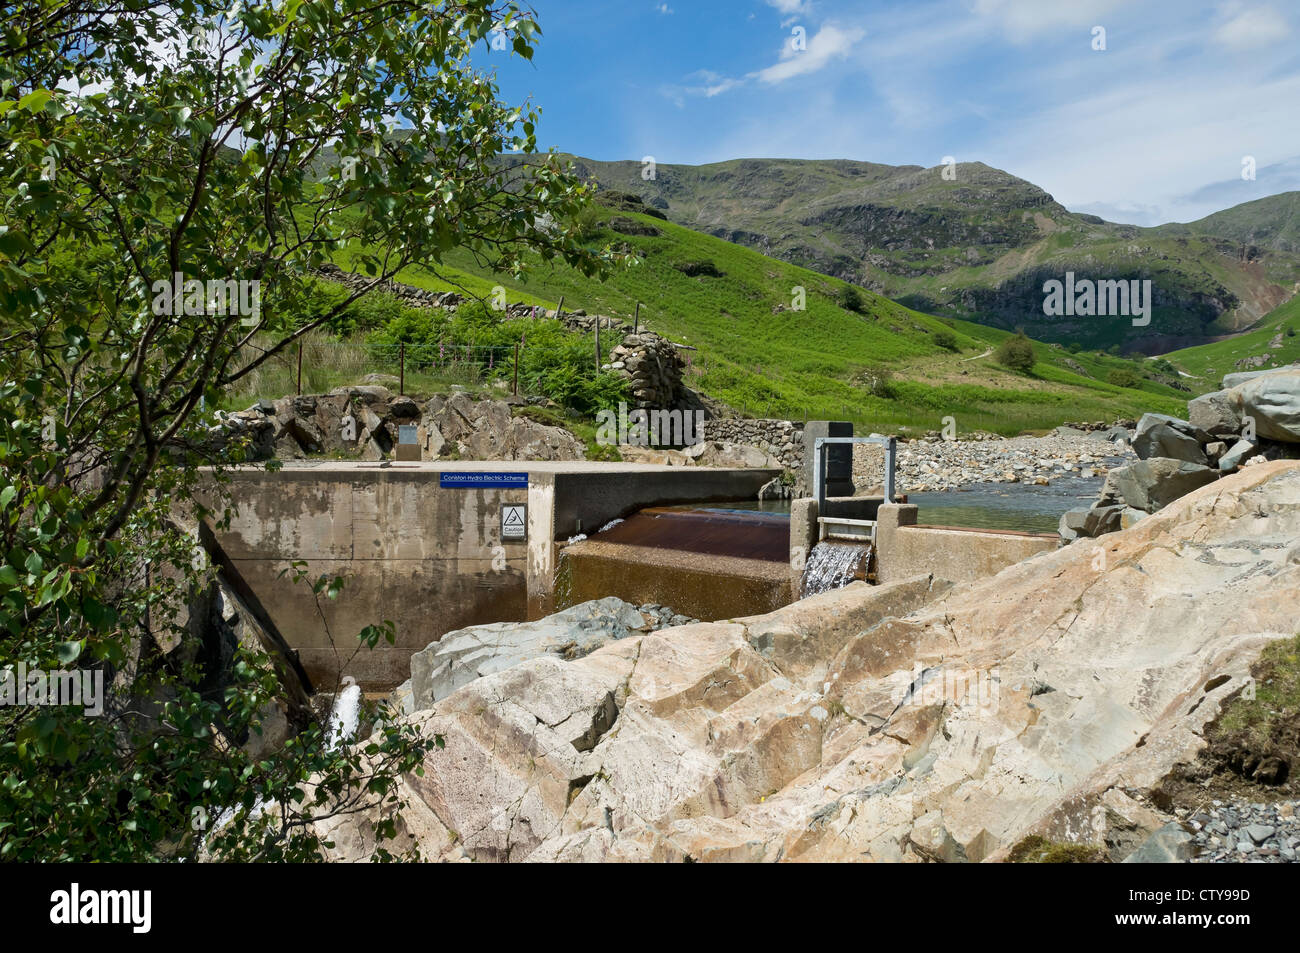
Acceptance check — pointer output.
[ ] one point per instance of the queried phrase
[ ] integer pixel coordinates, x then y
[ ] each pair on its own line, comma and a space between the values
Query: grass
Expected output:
1039, 850
1277, 696
759, 355
1208, 363
328, 363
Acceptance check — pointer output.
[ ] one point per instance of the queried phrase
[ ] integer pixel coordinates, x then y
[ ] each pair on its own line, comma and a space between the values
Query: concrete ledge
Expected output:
959, 554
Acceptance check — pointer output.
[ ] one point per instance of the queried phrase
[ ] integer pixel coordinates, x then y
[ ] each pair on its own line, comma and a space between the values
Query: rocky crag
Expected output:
910, 722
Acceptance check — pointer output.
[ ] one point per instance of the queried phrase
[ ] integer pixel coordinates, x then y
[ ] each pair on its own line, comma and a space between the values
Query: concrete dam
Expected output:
431, 546
437, 546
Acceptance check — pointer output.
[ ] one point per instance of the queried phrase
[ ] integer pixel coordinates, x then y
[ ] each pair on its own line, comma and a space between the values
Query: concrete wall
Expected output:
904, 549
958, 555
428, 558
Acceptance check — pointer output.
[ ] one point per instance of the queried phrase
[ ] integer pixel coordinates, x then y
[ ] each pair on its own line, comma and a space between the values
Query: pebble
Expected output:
931, 464
1231, 832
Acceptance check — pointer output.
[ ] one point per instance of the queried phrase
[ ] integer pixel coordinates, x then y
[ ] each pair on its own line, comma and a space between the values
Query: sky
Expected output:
1165, 123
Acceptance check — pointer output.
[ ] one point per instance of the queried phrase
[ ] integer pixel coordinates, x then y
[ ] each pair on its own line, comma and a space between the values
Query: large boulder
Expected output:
1233, 380
1273, 400
1048, 700
713, 453
1159, 435
461, 656
1216, 413
1149, 485
487, 430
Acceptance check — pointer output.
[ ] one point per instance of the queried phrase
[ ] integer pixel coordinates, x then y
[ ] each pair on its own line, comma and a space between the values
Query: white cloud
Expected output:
787, 6
1252, 28
1022, 19
664, 9
830, 43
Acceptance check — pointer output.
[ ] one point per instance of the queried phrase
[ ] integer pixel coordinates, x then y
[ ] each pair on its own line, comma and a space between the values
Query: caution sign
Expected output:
514, 521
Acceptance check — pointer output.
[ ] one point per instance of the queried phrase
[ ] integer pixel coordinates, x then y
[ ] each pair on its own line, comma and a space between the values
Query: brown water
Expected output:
705, 562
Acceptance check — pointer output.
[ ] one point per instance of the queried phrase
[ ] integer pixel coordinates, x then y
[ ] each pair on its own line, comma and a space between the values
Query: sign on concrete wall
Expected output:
514, 521
477, 481
408, 433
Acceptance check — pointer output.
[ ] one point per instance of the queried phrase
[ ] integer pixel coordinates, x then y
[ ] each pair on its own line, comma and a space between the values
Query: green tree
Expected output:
222, 144
1016, 353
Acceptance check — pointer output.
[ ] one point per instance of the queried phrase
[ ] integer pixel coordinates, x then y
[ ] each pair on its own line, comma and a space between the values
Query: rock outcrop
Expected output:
1254, 419
464, 655
365, 421
877, 723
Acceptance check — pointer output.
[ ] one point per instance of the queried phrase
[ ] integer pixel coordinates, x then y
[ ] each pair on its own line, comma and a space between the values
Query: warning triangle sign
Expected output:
514, 517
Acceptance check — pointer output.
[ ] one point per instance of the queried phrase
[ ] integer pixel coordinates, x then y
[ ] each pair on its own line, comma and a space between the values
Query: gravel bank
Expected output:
934, 464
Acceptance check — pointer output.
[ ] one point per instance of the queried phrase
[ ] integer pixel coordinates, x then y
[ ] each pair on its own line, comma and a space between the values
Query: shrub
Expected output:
851, 300
946, 340
1123, 377
694, 269
1016, 353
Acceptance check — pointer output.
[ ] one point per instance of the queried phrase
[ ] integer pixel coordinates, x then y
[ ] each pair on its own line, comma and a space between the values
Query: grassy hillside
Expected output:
980, 245
1277, 338
881, 368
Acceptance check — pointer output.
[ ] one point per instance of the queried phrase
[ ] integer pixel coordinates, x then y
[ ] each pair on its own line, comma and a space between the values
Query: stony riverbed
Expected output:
934, 464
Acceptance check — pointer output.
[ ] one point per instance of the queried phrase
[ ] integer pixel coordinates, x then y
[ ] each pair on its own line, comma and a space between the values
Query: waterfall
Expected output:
344, 714
834, 565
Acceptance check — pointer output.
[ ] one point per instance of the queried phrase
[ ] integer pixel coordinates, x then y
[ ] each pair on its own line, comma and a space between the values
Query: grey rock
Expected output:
1149, 485
1102, 519
463, 655
1159, 435
1168, 845
1273, 400
1072, 523
1237, 454
1259, 832
1217, 413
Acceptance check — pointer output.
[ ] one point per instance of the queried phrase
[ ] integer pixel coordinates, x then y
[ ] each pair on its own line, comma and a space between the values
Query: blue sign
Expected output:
479, 481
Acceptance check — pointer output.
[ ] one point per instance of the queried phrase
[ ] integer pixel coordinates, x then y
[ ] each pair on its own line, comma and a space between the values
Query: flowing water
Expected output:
1015, 506
833, 565
345, 714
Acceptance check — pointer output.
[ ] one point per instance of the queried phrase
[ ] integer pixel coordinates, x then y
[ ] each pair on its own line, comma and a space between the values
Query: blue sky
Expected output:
1153, 128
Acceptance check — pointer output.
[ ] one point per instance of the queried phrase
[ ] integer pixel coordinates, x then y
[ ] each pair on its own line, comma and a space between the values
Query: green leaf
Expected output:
36, 100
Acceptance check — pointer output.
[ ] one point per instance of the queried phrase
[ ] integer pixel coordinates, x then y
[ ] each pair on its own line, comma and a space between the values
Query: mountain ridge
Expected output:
975, 242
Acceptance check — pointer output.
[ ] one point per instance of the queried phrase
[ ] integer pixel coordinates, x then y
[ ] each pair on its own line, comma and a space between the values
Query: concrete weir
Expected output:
705, 563
422, 544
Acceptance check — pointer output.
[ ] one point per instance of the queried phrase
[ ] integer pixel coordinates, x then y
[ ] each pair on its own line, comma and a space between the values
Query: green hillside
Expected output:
980, 244
1272, 222
1276, 338
880, 367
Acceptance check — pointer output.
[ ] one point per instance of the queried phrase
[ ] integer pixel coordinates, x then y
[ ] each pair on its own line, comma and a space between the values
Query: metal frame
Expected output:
819, 485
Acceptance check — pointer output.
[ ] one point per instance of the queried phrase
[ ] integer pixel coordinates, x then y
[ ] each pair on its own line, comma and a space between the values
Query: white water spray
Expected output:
834, 565
345, 713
